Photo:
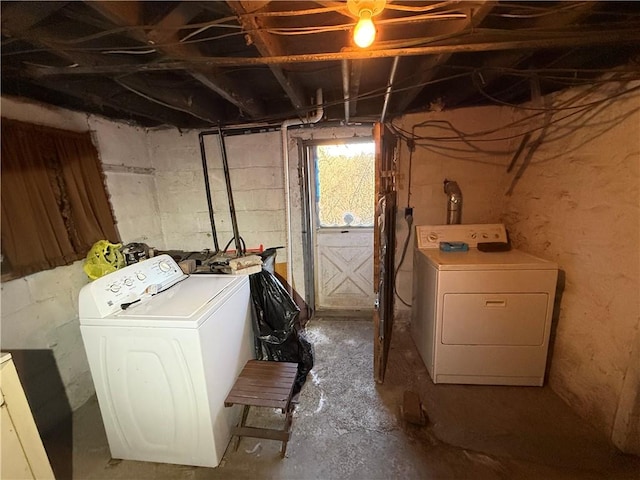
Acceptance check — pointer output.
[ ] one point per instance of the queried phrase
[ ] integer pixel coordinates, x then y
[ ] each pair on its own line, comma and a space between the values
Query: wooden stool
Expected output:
264, 384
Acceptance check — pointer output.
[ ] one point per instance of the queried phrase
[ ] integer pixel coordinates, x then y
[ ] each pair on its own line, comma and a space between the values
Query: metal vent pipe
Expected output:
454, 205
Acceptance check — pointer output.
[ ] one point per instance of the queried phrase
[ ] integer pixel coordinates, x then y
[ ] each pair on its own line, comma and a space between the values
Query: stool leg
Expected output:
287, 428
243, 420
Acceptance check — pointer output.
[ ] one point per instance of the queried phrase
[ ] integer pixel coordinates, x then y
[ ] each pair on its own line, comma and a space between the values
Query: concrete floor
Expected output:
347, 427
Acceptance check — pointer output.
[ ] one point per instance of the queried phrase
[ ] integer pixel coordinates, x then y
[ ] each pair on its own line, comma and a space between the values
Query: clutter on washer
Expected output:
134, 252
103, 257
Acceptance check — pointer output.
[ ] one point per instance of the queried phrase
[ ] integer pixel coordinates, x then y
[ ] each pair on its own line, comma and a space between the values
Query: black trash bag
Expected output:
277, 331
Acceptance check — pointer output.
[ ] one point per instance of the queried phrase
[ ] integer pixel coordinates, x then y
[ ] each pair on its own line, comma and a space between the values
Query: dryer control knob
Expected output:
432, 237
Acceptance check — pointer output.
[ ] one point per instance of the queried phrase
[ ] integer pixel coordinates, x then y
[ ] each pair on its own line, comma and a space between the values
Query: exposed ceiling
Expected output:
197, 64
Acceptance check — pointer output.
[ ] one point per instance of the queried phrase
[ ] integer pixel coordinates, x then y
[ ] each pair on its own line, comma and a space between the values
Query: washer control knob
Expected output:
115, 287
474, 235
128, 282
140, 276
164, 266
484, 235
432, 237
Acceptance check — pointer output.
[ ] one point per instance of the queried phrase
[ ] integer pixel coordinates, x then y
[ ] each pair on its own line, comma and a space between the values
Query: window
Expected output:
54, 202
345, 184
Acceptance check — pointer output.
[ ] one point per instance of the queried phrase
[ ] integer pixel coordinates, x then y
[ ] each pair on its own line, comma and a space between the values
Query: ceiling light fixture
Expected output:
365, 31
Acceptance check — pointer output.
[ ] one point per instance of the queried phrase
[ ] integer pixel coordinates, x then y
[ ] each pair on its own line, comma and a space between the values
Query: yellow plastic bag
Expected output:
104, 257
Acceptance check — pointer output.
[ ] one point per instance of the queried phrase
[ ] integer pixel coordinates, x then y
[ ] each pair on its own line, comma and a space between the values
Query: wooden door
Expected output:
384, 247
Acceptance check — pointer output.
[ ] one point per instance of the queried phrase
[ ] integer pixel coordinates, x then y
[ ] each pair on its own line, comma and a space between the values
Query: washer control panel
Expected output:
130, 284
430, 236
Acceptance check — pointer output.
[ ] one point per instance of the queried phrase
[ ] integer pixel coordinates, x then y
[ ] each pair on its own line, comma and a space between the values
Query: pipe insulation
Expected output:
287, 182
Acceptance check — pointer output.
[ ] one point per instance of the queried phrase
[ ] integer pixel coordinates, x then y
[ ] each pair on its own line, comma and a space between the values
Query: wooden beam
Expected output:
21, 16
172, 98
195, 104
507, 59
581, 39
209, 75
268, 46
102, 95
427, 67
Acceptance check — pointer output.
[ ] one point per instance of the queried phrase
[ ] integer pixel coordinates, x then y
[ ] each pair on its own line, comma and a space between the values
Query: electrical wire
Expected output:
409, 219
605, 103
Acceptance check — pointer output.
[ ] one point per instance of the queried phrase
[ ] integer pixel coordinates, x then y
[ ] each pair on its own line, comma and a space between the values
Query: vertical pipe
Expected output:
387, 94
207, 189
454, 205
232, 208
345, 88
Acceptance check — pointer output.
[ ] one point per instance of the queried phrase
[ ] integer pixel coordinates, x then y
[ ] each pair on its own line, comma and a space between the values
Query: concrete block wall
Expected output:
130, 179
255, 170
40, 311
478, 173
578, 203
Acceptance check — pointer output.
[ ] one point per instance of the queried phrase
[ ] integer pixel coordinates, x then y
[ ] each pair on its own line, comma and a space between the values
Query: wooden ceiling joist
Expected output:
494, 63
268, 46
426, 69
129, 14
101, 96
520, 41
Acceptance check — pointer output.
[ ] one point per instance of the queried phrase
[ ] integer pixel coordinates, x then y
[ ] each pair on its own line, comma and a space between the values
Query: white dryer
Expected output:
480, 317
164, 350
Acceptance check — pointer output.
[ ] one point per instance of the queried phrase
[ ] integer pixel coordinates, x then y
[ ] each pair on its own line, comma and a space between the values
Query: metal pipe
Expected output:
345, 88
207, 189
287, 194
232, 208
387, 94
454, 206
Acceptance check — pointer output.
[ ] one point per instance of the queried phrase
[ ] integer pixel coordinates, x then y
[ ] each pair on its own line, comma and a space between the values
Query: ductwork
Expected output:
454, 205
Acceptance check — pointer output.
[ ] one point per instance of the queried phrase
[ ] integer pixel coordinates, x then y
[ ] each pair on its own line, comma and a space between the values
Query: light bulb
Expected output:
365, 32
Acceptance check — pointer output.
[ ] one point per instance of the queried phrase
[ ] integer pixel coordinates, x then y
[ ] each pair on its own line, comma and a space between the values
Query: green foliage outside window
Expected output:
345, 186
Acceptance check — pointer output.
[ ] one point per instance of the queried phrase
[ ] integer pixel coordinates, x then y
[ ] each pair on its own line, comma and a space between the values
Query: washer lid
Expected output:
477, 260
185, 305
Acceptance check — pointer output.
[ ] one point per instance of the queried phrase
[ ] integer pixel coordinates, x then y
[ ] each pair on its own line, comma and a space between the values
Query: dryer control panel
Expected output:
130, 284
430, 236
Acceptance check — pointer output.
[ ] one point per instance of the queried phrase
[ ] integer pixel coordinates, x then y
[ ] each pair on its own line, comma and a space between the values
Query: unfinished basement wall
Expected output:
578, 204
40, 311
478, 172
255, 170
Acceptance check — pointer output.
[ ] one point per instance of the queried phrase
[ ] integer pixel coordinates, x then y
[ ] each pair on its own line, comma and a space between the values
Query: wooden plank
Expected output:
21, 16
269, 45
274, 373
122, 14
254, 402
269, 434
260, 383
276, 397
384, 247
241, 389
493, 65
523, 41
426, 68
273, 377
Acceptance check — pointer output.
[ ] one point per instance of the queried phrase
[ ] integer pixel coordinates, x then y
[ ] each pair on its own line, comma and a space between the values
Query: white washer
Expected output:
163, 367
480, 317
